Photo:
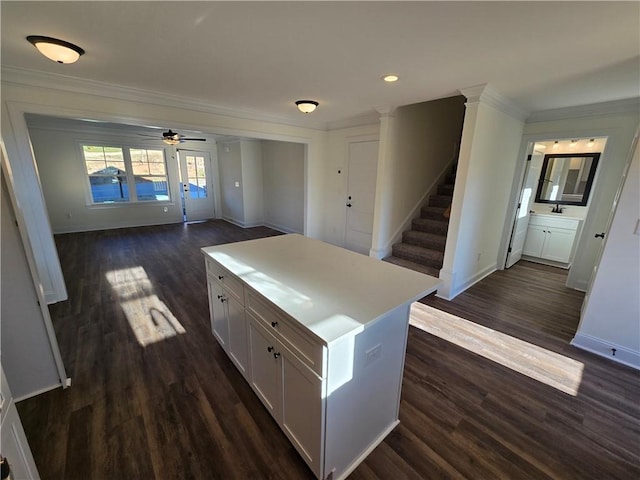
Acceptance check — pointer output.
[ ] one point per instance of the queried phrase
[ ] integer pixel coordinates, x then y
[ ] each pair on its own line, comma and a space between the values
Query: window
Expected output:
197, 177
121, 175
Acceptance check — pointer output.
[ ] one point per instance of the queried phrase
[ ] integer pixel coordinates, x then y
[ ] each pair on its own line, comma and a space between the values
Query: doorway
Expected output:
538, 226
196, 185
361, 189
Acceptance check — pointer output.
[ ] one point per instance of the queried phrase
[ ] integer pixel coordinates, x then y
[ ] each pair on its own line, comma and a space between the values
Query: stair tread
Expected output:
425, 239
418, 250
434, 272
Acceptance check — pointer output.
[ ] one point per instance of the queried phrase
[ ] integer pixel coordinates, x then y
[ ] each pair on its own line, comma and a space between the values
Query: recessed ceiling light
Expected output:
391, 78
56, 50
306, 106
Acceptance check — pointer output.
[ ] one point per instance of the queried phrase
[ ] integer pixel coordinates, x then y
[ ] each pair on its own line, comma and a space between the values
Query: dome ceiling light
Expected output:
56, 50
306, 106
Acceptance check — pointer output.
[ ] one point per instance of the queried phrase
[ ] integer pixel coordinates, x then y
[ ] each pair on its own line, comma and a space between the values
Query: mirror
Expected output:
567, 178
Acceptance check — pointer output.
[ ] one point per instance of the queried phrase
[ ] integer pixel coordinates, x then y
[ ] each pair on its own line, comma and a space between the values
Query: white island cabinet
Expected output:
319, 332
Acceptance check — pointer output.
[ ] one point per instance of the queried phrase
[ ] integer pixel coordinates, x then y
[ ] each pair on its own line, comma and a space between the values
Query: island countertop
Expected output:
332, 291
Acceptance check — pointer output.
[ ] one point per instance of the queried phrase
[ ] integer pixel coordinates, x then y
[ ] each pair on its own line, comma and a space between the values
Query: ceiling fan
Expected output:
174, 138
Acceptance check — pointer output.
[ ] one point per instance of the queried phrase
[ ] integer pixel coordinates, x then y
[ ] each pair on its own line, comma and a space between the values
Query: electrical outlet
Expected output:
373, 354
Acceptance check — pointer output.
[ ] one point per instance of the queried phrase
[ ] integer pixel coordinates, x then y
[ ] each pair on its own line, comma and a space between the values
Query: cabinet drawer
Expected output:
301, 344
230, 282
554, 222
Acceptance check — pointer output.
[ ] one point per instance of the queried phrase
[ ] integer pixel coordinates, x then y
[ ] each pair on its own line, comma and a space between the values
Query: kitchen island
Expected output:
319, 332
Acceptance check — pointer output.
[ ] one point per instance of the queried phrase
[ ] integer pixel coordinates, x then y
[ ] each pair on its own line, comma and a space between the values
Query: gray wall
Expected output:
271, 178
64, 184
283, 174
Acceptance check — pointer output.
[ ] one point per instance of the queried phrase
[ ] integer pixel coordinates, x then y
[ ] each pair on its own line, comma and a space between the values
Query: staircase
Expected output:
422, 247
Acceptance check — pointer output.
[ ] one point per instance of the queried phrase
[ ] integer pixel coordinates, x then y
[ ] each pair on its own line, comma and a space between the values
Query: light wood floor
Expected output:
152, 398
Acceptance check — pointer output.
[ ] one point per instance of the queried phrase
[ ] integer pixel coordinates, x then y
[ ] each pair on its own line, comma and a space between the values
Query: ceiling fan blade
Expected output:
194, 139
147, 135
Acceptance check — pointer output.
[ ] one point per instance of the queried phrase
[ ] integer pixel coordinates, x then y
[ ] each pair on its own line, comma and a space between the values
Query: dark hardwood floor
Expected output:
154, 396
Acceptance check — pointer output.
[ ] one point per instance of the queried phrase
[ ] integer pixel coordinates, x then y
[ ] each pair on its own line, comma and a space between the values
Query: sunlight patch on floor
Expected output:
149, 318
536, 362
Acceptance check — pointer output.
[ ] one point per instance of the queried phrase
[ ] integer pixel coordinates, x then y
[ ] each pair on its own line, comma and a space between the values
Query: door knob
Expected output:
276, 355
601, 235
349, 205
269, 349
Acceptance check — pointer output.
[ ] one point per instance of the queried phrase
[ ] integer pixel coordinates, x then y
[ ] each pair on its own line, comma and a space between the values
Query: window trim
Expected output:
131, 185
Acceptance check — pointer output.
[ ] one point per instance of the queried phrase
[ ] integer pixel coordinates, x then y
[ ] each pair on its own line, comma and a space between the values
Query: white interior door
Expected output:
521, 222
196, 182
361, 190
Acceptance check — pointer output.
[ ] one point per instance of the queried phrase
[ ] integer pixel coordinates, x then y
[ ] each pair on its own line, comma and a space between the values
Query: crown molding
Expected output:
627, 105
34, 78
488, 95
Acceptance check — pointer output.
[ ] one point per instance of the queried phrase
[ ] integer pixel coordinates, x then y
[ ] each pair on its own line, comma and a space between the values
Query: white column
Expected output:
384, 184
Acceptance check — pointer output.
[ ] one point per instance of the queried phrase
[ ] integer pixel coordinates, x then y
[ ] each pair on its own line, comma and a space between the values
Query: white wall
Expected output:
64, 184
27, 356
421, 140
336, 174
283, 177
486, 166
619, 128
611, 317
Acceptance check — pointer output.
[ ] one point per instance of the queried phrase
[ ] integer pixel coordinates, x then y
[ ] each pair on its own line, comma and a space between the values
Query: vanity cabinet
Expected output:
320, 337
551, 238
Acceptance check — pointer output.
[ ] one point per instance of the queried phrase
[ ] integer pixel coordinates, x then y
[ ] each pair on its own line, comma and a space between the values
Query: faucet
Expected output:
557, 209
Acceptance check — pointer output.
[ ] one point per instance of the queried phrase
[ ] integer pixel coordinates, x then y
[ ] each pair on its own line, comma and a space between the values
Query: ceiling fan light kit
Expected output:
57, 50
173, 138
306, 106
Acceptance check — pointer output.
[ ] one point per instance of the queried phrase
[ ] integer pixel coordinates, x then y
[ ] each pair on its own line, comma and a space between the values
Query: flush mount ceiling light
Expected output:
306, 106
591, 142
556, 144
56, 50
391, 78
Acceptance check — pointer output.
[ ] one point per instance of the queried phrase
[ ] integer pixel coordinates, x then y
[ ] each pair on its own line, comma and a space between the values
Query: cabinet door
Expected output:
535, 241
558, 245
302, 409
238, 344
217, 311
266, 368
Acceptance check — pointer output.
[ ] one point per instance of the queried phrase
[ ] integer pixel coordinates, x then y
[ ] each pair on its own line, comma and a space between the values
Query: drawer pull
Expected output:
276, 355
599, 235
274, 324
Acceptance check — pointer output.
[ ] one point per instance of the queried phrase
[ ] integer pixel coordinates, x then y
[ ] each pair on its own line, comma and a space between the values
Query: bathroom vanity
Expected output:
319, 333
551, 239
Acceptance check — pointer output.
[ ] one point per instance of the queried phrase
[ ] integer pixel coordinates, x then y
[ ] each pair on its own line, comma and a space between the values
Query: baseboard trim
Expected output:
281, 228
95, 228
600, 347
38, 392
451, 291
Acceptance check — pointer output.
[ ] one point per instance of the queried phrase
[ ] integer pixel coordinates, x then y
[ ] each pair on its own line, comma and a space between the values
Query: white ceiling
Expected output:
259, 57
